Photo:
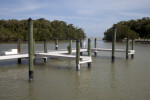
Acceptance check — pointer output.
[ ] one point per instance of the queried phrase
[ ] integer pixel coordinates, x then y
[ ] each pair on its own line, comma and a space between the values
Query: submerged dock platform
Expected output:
130, 52
59, 54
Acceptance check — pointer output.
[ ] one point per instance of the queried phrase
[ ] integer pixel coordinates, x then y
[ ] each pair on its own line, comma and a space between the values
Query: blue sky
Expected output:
94, 16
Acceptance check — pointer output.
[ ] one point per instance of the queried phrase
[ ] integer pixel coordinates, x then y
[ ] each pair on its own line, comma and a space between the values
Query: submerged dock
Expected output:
60, 54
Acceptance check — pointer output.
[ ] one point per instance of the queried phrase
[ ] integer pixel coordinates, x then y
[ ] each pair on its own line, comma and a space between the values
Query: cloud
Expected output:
20, 7
95, 16
26, 8
96, 7
133, 14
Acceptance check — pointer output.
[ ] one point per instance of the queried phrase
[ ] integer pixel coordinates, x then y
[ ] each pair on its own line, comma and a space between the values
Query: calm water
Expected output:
57, 79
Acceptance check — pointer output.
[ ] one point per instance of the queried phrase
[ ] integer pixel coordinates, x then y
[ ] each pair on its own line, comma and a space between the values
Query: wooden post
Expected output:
95, 53
33, 46
80, 43
132, 56
84, 44
80, 46
45, 59
30, 49
70, 47
77, 55
34, 51
45, 46
45, 49
113, 42
19, 49
19, 45
56, 44
89, 52
127, 47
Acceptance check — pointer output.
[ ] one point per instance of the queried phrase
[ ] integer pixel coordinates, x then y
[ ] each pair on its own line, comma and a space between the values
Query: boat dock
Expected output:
59, 54
64, 53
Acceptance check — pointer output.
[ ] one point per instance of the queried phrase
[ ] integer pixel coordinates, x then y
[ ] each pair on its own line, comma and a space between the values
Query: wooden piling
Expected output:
30, 49
127, 48
70, 47
34, 51
33, 46
80, 43
56, 44
45, 46
19, 45
113, 42
19, 60
81, 46
89, 51
77, 55
95, 41
19, 49
45, 59
84, 44
132, 56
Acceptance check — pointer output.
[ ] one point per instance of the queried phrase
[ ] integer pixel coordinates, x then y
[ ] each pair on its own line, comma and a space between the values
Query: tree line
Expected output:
11, 30
132, 29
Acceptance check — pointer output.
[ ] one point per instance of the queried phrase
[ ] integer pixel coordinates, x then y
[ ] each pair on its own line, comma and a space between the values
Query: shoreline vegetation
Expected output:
133, 29
12, 30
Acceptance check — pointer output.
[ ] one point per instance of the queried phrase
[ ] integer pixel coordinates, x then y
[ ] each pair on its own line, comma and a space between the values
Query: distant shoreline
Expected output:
98, 38
92, 38
142, 40
139, 40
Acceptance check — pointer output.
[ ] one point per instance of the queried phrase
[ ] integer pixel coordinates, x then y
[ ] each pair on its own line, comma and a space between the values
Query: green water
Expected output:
57, 79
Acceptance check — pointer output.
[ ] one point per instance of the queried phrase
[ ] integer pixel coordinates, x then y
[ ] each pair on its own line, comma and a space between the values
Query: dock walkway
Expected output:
60, 54
130, 52
13, 56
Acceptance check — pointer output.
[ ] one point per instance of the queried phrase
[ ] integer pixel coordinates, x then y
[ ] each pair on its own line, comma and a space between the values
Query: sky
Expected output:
94, 16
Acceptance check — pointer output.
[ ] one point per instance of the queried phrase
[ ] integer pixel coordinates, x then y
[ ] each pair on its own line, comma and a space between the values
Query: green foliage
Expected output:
108, 34
132, 29
43, 29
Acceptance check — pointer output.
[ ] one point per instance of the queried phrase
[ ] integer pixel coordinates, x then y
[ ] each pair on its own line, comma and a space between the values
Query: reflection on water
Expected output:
113, 78
58, 79
83, 85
